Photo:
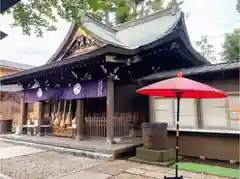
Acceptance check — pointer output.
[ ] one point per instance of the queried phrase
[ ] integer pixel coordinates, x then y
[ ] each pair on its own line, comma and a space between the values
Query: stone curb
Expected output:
81, 153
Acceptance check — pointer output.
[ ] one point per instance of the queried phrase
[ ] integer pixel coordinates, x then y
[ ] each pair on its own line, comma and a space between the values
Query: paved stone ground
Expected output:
127, 170
39, 164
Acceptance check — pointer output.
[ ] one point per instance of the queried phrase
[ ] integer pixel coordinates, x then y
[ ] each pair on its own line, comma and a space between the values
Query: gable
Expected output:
82, 42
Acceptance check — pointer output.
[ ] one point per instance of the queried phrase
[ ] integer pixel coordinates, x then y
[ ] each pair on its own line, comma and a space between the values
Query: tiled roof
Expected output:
136, 34
15, 65
131, 35
194, 71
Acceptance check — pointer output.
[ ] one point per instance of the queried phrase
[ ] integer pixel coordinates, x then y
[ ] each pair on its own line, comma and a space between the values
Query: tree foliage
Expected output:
206, 49
231, 46
127, 10
37, 16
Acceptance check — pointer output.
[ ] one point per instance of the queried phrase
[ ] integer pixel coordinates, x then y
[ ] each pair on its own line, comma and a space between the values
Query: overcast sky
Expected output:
207, 17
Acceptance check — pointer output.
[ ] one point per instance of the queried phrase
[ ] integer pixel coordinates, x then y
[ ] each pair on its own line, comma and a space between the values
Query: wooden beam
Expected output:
41, 111
80, 119
50, 109
199, 114
151, 109
110, 110
23, 111
40, 114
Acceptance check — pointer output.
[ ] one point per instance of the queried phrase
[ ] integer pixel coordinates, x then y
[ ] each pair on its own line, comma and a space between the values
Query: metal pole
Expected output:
177, 135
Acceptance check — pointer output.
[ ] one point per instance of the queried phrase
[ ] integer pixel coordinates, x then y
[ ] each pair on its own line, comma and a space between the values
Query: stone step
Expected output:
75, 152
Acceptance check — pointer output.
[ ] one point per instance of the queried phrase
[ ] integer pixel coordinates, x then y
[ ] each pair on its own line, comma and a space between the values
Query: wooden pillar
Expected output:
110, 111
36, 110
80, 119
50, 109
23, 115
151, 116
199, 114
23, 111
39, 116
41, 112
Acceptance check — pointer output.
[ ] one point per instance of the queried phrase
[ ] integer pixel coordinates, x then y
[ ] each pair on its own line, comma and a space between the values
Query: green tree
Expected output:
206, 49
172, 3
36, 16
231, 46
127, 10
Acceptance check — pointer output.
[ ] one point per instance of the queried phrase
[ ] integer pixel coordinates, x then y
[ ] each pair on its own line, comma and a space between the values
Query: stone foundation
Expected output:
154, 157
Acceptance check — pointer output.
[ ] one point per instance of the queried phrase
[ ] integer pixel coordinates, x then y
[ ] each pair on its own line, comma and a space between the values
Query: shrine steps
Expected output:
65, 150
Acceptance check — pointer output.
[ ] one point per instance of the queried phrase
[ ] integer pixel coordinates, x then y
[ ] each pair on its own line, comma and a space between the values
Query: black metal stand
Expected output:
177, 140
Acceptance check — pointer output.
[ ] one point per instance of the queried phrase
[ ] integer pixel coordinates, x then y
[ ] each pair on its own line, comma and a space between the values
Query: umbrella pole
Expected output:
177, 136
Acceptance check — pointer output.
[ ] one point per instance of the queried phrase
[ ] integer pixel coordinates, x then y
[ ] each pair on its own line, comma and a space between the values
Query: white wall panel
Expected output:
214, 113
188, 113
163, 109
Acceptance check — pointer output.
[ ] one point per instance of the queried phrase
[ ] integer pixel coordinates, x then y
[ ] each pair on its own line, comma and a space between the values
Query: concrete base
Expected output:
155, 155
162, 164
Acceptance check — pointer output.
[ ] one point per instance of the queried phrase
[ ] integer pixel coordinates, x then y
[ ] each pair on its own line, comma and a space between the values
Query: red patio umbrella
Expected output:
180, 87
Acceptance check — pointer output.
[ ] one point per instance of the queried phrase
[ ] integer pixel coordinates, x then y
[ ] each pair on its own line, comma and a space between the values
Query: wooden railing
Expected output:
96, 126
122, 126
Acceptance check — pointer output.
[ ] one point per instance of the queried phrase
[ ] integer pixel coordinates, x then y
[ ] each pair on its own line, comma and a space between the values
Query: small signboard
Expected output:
235, 114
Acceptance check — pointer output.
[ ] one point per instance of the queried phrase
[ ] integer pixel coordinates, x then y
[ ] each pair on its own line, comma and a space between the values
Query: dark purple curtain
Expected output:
34, 95
88, 89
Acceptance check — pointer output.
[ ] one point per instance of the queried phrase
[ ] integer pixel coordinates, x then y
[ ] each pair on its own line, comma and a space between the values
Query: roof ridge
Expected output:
107, 26
212, 64
191, 71
205, 65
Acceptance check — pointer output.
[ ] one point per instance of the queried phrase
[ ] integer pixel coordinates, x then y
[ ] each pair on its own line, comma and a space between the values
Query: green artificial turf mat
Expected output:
209, 169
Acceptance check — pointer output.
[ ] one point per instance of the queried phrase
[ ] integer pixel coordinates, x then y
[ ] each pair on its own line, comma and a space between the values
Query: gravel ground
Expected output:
43, 165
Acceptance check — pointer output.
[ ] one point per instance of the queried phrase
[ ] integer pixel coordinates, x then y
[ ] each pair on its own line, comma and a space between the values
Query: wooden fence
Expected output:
123, 123
95, 126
